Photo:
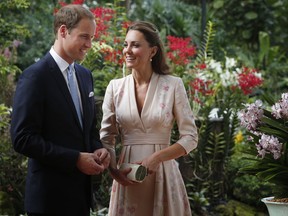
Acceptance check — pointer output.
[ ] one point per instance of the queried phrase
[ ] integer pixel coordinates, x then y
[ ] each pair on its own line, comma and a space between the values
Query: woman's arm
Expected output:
188, 136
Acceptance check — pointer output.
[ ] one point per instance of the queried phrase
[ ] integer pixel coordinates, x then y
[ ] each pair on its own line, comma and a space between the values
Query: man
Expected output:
63, 145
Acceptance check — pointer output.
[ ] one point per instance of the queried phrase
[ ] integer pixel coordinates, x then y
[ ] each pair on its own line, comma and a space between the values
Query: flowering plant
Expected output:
223, 84
212, 84
180, 50
268, 131
216, 90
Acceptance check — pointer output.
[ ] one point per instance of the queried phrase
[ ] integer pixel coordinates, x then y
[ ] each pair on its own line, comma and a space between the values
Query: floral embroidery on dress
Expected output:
162, 105
126, 210
131, 210
165, 87
121, 93
166, 110
167, 114
121, 211
182, 97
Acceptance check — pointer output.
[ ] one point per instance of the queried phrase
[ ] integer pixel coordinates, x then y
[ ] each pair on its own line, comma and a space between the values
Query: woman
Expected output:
141, 108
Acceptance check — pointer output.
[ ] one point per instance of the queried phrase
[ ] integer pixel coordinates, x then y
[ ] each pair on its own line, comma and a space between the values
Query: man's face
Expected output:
79, 40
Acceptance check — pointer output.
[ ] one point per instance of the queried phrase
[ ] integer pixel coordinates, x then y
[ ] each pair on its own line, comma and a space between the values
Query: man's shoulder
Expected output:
39, 65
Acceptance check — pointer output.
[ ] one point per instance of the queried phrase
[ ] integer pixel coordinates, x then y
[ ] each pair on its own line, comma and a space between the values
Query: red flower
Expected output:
204, 87
80, 2
102, 17
125, 25
248, 80
180, 50
201, 66
63, 3
200, 88
113, 55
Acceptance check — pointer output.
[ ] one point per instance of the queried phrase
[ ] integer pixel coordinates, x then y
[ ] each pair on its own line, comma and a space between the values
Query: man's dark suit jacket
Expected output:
46, 129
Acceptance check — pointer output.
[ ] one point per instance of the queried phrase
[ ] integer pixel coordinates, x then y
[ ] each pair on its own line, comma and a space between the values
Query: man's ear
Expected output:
62, 31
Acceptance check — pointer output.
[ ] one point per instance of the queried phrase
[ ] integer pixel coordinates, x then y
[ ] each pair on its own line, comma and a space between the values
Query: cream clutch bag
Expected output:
138, 172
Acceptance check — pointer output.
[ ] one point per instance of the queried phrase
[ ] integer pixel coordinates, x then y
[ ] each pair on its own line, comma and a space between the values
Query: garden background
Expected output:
228, 53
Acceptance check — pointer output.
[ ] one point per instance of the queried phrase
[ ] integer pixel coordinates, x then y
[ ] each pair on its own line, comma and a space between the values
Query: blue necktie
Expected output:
74, 92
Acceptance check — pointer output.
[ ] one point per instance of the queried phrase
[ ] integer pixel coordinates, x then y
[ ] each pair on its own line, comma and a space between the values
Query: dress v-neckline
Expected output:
135, 98
147, 100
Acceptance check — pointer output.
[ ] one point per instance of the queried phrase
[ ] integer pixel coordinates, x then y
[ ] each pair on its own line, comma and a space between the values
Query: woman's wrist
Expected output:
157, 157
111, 168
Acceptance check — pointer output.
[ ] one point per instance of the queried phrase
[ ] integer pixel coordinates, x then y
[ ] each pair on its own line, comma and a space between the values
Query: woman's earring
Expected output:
150, 59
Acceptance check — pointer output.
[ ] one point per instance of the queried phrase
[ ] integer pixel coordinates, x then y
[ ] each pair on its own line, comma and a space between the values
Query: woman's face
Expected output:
137, 51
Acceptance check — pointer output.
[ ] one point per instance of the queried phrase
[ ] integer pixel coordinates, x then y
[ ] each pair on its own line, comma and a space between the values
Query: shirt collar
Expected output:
62, 64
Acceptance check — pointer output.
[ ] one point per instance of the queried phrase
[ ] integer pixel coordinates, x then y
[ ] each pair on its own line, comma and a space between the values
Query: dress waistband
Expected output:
146, 139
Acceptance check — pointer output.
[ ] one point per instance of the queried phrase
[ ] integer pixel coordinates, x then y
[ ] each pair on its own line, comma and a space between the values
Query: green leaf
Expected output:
264, 41
218, 4
277, 128
251, 15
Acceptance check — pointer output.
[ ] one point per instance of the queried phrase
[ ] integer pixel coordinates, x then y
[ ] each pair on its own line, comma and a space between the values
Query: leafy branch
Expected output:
205, 50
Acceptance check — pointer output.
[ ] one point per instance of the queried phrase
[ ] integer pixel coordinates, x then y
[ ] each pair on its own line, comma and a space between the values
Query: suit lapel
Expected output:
61, 83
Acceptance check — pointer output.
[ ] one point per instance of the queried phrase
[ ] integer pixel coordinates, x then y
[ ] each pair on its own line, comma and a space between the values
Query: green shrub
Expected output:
248, 189
244, 187
13, 168
6, 207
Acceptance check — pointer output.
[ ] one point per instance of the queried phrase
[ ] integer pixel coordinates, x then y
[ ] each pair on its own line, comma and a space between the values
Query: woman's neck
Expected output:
142, 78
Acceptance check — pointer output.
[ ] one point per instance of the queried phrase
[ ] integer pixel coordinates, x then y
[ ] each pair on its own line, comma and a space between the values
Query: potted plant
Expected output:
268, 132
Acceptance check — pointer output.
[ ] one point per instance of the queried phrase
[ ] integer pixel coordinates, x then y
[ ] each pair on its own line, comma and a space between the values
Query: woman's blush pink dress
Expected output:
162, 193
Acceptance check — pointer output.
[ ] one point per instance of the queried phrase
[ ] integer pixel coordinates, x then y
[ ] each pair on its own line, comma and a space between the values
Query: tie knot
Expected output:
70, 67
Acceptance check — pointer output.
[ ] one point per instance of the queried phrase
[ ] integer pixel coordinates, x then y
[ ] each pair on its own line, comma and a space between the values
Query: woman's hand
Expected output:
121, 176
152, 163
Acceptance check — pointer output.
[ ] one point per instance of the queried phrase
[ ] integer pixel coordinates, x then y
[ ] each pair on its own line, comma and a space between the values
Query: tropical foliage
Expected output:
12, 165
217, 89
267, 130
171, 17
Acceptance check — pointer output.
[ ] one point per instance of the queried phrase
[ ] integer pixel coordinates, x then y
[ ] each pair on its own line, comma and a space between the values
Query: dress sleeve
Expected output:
109, 131
188, 135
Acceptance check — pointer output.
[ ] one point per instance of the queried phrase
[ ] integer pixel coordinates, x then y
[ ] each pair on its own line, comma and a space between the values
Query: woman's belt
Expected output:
146, 138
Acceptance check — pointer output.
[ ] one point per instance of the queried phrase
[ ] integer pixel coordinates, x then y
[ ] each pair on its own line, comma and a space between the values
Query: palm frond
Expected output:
206, 50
